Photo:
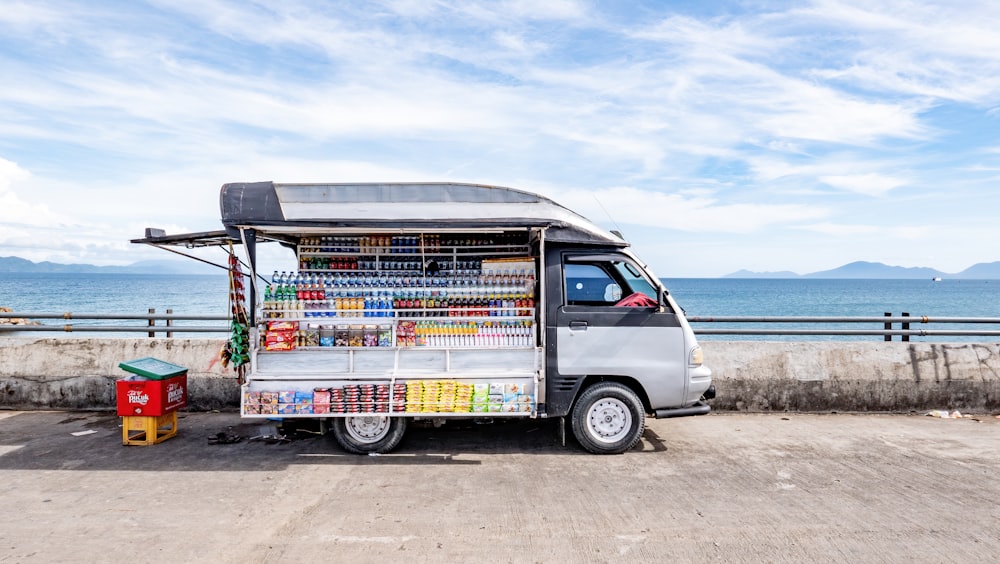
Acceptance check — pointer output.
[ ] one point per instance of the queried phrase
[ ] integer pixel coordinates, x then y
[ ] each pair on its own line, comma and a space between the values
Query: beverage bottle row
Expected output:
473, 334
407, 244
421, 302
369, 263
468, 279
365, 244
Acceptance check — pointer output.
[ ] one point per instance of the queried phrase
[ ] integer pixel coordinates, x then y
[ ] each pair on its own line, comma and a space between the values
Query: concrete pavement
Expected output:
721, 488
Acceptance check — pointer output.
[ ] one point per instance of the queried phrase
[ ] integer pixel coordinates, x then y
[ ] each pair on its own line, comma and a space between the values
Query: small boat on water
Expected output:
936, 279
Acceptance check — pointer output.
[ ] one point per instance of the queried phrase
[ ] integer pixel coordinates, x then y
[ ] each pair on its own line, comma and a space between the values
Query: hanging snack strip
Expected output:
237, 349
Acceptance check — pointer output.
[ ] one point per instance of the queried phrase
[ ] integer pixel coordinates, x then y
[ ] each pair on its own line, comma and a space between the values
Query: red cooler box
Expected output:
156, 388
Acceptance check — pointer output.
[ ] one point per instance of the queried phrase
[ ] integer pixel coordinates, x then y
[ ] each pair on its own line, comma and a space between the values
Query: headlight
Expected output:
697, 357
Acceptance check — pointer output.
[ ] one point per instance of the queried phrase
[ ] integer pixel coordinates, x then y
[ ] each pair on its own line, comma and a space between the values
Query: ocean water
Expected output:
704, 297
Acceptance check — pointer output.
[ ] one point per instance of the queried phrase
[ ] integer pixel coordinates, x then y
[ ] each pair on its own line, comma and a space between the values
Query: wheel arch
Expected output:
627, 381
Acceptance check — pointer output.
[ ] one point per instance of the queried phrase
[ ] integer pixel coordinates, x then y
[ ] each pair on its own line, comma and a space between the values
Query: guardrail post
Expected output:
152, 322
888, 327
170, 323
906, 326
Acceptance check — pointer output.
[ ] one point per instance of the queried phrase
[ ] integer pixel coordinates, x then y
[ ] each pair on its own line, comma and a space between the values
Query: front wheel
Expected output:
368, 434
608, 418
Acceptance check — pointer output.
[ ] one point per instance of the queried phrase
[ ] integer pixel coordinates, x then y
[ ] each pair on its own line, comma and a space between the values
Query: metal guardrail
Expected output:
888, 324
887, 321
150, 328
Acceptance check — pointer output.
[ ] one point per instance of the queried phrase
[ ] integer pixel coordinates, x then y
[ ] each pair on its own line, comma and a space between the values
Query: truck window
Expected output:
589, 284
605, 283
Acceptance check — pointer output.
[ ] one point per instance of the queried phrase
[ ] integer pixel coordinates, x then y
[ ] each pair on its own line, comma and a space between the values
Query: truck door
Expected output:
597, 335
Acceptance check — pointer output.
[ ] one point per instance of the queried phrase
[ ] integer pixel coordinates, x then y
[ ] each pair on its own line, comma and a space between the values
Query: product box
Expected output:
286, 397
151, 398
282, 325
342, 336
321, 395
287, 408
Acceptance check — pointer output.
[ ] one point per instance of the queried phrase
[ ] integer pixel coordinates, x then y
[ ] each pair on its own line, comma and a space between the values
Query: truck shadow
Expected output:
45, 440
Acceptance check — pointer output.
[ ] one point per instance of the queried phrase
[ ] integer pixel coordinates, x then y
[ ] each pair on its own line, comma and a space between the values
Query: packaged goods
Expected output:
384, 336
251, 398
286, 397
326, 337
343, 336
321, 395
269, 397
282, 326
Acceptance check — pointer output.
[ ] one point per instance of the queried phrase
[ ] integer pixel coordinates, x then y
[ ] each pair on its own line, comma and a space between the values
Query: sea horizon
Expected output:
207, 294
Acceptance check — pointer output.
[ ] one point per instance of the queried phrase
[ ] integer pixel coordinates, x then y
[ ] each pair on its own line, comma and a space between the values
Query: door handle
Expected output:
577, 325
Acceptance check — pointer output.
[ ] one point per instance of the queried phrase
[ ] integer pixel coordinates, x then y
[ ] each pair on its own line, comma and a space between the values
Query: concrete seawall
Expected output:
63, 373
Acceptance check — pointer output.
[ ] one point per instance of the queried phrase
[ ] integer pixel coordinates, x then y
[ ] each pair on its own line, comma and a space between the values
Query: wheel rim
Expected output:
369, 429
609, 420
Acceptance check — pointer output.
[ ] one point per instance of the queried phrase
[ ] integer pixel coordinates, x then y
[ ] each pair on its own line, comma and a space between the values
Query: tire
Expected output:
608, 418
368, 434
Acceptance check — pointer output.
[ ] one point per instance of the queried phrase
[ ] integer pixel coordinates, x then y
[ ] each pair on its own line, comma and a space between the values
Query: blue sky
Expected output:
716, 135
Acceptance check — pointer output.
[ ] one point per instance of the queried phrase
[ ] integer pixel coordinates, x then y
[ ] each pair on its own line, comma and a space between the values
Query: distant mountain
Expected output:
870, 270
163, 267
877, 270
987, 270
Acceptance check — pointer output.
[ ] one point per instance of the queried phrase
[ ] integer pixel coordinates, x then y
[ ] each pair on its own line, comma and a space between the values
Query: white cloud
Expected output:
634, 206
867, 184
743, 122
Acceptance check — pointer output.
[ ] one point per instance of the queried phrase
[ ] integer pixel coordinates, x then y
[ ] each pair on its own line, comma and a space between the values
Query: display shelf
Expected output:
457, 310
432, 397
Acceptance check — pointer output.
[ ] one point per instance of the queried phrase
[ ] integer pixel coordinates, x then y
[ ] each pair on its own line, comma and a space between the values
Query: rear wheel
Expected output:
608, 418
367, 434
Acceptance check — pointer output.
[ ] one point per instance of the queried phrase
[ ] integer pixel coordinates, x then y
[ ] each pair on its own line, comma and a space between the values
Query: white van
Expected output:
443, 300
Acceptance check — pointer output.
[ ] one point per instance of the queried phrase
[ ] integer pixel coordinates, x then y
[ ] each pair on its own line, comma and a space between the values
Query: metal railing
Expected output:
887, 326
150, 327
887, 322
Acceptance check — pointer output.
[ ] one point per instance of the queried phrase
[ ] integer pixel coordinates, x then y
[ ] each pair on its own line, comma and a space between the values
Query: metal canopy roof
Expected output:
269, 206
282, 211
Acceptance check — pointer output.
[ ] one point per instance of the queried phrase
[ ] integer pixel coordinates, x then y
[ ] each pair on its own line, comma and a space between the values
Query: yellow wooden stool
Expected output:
145, 430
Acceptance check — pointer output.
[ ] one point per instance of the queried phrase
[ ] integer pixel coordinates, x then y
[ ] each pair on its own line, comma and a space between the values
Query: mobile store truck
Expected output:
444, 300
